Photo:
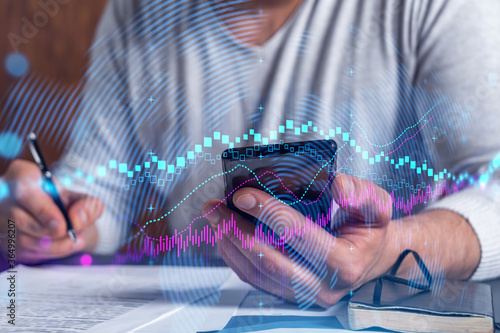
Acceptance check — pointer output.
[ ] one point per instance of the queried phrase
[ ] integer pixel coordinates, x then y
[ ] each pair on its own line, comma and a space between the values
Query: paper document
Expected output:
103, 298
210, 313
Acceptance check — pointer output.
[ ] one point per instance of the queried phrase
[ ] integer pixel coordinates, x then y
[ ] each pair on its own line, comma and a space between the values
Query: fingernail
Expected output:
343, 186
246, 201
211, 213
348, 185
53, 225
83, 217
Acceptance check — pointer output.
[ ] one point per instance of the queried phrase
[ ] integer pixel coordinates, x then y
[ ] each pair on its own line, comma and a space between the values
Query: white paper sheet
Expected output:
211, 313
102, 298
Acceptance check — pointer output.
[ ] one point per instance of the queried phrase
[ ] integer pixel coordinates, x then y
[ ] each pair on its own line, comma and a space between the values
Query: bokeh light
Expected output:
4, 190
10, 145
86, 260
45, 242
17, 64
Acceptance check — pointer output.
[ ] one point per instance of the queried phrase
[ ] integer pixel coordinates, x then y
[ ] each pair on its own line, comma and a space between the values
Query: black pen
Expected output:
52, 190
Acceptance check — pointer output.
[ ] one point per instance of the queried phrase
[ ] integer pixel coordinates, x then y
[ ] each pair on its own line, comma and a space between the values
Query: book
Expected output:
450, 306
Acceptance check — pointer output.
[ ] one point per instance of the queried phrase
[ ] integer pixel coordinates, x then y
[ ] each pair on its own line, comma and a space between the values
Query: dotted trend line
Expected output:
298, 200
400, 135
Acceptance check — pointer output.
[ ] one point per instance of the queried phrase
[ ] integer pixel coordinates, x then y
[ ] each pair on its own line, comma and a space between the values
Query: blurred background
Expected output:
44, 41
47, 38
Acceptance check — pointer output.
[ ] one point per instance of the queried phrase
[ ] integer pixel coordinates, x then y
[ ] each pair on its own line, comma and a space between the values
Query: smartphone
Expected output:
297, 173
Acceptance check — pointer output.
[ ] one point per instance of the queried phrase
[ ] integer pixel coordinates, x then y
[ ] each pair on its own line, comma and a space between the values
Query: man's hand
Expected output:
334, 265
37, 216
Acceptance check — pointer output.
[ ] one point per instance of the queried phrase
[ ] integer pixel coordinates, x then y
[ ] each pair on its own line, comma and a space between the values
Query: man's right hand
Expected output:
40, 227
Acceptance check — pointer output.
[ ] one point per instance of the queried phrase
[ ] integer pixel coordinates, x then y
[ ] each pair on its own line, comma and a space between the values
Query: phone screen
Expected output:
299, 174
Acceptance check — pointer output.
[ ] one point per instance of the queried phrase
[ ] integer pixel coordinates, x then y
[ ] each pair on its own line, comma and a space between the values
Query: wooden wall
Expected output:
57, 51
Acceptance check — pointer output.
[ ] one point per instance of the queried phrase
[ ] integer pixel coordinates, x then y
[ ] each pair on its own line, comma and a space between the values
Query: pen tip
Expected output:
71, 235
32, 136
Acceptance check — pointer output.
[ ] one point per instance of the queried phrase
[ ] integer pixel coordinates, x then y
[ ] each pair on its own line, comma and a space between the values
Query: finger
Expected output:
267, 259
364, 200
274, 262
301, 233
33, 257
28, 224
48, 248
234, 260
319, 248
84, 211
25, 222
30, 257
216, 211
250, 274
299, 288
30, 196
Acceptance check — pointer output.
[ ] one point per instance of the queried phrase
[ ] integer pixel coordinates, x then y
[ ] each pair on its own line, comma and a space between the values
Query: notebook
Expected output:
450, 306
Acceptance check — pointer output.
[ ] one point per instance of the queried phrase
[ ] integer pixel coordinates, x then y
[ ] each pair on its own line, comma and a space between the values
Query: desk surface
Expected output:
495, 284
495, 290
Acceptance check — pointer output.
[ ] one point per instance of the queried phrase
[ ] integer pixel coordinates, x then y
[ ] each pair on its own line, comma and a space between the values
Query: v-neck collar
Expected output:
275, 37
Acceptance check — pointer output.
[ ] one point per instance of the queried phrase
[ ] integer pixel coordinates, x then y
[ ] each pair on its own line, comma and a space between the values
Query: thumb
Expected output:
83, 210
362, 199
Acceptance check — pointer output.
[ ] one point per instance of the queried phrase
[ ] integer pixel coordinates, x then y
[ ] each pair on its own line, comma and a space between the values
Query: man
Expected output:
409, 83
